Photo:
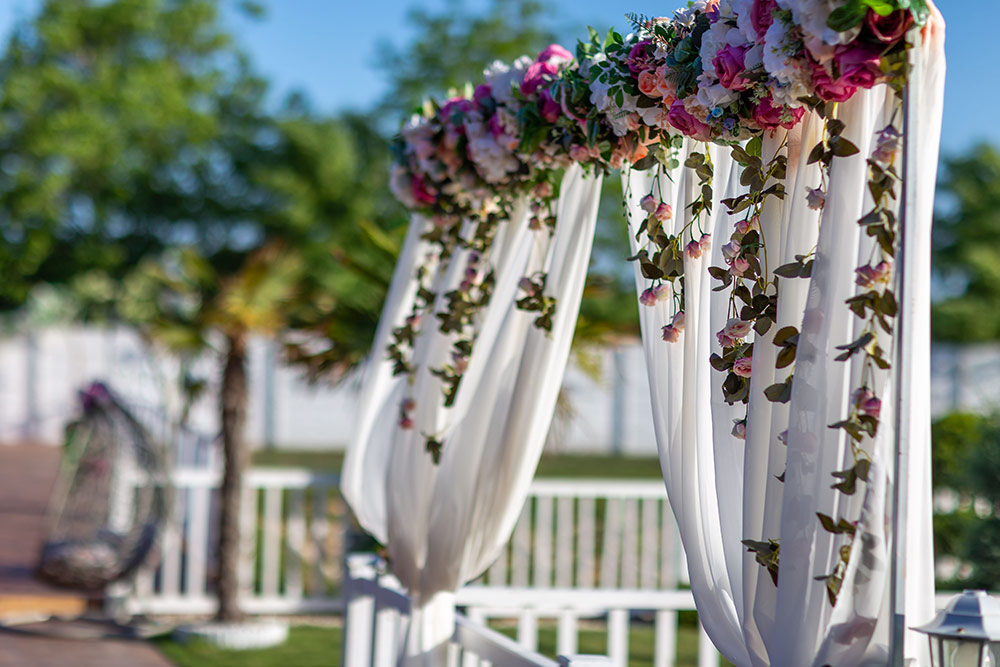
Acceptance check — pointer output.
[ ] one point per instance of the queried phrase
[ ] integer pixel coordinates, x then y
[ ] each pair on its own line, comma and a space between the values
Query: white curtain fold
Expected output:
444, 524
724, 490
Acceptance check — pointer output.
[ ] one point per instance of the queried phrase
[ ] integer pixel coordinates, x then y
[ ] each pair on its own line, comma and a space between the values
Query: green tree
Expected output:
967, 247
142, 168
454, 46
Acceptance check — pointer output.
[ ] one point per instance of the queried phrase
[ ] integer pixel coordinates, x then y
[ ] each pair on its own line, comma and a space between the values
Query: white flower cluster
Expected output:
502, 78
493, 155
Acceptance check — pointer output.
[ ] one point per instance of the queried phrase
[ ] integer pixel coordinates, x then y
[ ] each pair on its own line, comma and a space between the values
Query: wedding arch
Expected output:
778, 160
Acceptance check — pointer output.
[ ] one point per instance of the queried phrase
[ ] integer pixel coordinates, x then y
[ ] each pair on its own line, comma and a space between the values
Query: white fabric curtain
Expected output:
724, 490
444, 524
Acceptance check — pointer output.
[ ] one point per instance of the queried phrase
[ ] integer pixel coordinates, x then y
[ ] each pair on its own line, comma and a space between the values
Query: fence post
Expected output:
360, 610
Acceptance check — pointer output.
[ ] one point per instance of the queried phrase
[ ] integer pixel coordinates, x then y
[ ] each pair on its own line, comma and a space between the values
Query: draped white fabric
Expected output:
724, 490
444, 524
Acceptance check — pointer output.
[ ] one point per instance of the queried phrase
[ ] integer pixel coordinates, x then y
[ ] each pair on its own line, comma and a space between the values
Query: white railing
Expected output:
291, 530
582, 533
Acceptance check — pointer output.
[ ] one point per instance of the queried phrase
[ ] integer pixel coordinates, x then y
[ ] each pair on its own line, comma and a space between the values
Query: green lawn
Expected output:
551, 465
309, 646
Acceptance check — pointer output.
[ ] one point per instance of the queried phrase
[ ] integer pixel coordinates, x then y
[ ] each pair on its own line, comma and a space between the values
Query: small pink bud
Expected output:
526, 284
663, 212
648, 297
678, 320
671, 334
405, 423
740, 429
731, 250
743, 226
693, 250
705, 242
649, 204
739, 266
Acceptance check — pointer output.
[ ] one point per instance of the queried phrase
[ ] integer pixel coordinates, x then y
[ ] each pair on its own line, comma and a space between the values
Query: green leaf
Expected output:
847, 16
843, 148
880, 7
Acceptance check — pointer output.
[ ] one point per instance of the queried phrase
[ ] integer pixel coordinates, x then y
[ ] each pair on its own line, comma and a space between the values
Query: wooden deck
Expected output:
27, 473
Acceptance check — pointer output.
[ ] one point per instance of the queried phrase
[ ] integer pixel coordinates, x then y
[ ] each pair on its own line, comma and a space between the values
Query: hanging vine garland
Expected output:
725, 71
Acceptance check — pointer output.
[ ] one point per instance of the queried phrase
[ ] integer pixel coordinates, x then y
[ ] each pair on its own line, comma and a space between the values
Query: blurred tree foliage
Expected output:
967, 247
506, 30
966, 459
141, 167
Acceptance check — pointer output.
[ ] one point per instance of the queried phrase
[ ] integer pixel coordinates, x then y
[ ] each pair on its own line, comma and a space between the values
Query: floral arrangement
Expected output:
722, 71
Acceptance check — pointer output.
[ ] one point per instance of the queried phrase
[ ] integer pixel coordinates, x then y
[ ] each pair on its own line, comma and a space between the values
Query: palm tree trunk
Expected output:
234, 408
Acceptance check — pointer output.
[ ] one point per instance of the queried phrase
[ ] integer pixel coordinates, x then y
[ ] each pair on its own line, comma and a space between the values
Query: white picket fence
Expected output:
291, 553
581, 550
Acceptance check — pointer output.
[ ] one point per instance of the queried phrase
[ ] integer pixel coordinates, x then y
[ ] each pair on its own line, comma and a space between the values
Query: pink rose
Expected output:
536, 76
761, 16
868, 275
742, 367
648, 204
648, 297
648, 84
829, 89
664, 87
859, 64
686, 123
705, 242
554, 52
663, 212
421, 191
769, 116
889, 29
724, 340
550, 108
729, 66
671, 334
639, 58
693, 250
737, 328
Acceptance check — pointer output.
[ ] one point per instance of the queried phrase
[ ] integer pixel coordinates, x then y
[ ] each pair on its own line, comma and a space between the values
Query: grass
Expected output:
310, 646
307, 646
551, 465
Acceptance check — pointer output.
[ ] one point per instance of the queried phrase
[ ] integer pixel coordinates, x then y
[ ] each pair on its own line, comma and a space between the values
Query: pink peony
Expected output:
742, 367
829, 89
737, 328
729, 66
663, 212
859, 64
761, 16
482, 92
693, 250
671, 334
771, 116
639, 58
649, 204
554, 52
686, 123
536, 76
648, 84
420, 191
550, 108
889, 29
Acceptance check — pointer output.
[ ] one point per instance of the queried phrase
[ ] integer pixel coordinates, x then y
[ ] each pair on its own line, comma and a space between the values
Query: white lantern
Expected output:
966, 633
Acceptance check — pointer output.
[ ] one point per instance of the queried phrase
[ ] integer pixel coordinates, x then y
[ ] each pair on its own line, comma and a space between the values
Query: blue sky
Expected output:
327, 49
